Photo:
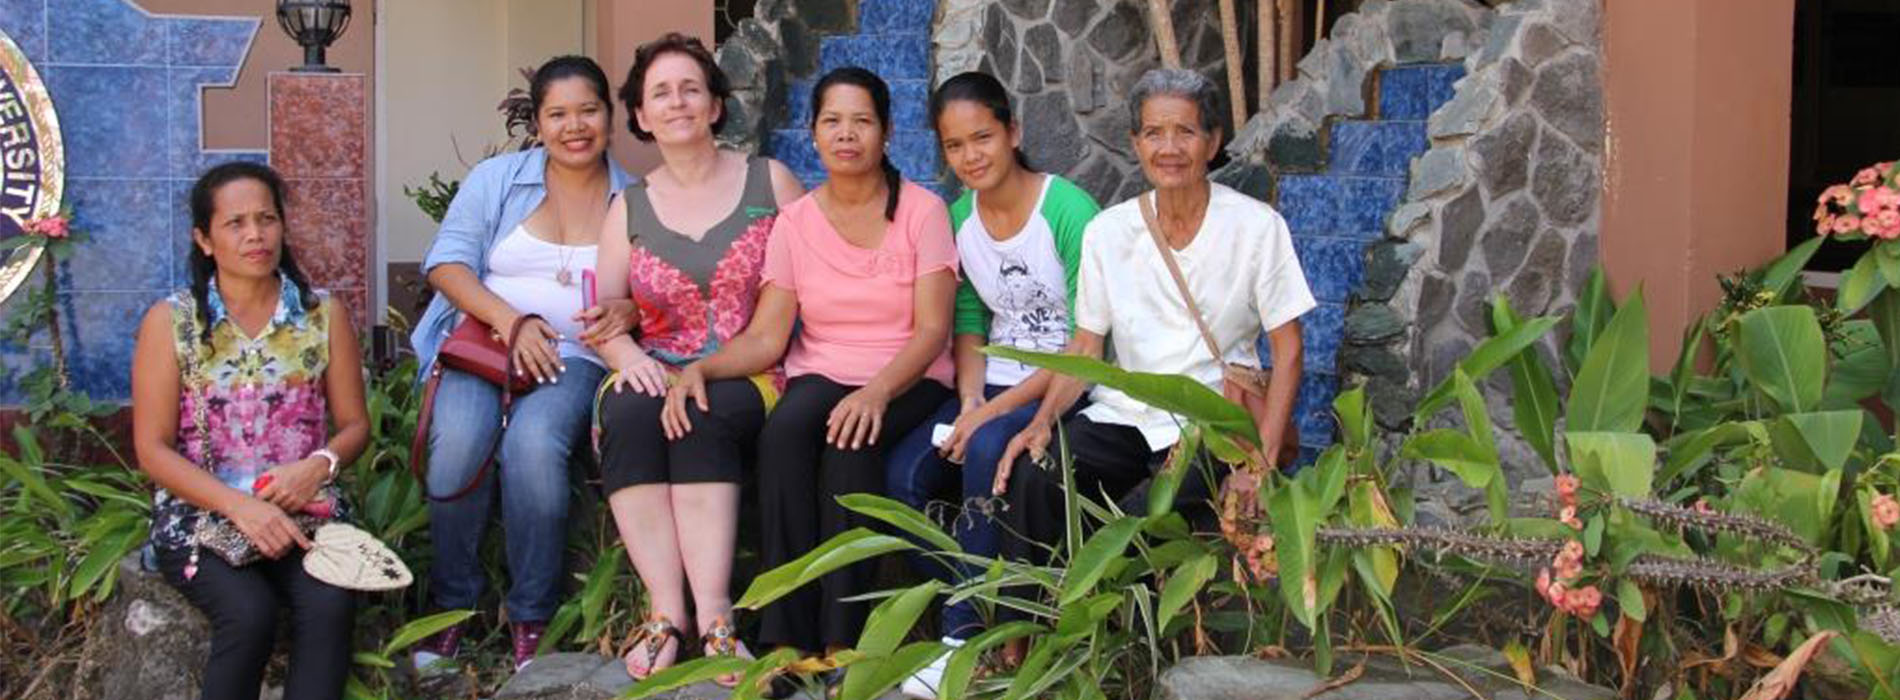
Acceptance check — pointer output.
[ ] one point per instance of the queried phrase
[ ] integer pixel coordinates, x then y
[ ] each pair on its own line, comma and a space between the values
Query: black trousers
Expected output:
242, 605
800, 478
1109, 460
634, 449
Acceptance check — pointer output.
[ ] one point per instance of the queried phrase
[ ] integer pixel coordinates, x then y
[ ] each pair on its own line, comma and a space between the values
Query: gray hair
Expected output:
1175, 82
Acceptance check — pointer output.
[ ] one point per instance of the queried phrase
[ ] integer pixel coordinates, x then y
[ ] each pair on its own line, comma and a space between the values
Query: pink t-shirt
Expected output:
855, 305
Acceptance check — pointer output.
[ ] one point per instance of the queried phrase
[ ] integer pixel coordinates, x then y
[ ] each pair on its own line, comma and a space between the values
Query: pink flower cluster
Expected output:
1886, 510
1867, 206
1556, 584
49, 227
1567, 496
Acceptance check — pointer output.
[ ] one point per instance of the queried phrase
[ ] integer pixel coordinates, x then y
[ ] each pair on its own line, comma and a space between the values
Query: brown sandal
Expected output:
650, 637
721, 640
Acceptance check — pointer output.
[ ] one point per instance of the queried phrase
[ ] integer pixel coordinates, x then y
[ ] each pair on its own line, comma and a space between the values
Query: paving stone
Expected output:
1569, 94
1507, 236
1373, 323
1458, 229
1565, 182
1120, 32
1053, 140
1027, 9
1042, 42
1439, 170
1387, 264
1417, 29
1504, 155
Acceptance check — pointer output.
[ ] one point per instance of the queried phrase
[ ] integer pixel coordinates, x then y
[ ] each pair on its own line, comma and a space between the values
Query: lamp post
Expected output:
313, 24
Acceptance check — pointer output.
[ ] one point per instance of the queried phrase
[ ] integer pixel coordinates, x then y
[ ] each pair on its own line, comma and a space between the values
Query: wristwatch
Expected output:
334, 460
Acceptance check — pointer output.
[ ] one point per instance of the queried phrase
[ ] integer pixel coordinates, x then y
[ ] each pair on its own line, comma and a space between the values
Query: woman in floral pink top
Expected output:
688, 242
242, 376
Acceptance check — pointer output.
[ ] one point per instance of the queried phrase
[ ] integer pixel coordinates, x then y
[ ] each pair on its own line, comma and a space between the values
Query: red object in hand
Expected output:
321, 509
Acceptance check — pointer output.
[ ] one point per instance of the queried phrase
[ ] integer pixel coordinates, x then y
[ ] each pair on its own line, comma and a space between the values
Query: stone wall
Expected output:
1067, 62
1504, 199
1508, 200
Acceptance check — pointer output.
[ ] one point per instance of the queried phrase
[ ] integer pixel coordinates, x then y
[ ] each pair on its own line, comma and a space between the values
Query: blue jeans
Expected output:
546, 428
916, 474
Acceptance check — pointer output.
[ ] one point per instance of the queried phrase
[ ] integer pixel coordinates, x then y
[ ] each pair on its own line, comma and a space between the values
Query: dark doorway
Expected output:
1846, 107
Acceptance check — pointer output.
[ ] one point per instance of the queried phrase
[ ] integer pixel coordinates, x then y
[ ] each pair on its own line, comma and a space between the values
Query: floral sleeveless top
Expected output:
696, 295
244, 404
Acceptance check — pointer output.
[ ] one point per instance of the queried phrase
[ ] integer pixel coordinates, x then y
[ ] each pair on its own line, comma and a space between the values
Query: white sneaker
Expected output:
923, 684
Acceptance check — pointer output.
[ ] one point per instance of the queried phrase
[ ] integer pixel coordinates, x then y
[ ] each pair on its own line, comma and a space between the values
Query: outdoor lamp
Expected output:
313, 24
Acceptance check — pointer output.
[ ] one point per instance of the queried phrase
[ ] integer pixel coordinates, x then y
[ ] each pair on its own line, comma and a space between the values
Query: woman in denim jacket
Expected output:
518, 239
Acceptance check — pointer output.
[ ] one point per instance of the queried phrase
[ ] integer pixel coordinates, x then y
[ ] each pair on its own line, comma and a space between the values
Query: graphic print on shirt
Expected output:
1032, 315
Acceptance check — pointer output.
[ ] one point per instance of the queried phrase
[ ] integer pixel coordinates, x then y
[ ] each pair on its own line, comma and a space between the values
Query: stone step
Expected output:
891, 56
895, 16
1375, 148
1481, 672
1413, 92
913, 151
910, 104
1338, 205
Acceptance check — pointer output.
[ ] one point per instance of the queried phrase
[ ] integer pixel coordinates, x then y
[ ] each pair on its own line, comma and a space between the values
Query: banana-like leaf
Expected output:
847, 548
1173, 393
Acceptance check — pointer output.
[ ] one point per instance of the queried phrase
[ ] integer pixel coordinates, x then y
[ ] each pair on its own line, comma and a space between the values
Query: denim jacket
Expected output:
495, 198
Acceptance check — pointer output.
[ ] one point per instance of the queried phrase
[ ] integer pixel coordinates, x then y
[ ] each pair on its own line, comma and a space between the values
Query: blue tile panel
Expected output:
895, 16
25, 22
1334, 214
1413, 92
126, 85
890, 56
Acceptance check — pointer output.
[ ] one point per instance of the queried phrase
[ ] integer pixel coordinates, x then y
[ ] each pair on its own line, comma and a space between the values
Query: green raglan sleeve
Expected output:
971, 316
1068, 209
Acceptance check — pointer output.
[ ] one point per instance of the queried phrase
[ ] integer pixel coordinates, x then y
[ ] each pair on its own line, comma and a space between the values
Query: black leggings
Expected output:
242, 605
799, 479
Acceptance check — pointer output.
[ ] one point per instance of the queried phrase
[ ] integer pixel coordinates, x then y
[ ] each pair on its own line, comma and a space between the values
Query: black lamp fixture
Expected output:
313, 24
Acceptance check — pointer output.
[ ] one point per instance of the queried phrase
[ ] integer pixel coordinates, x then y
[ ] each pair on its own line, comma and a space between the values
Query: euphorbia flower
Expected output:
1567, 489
1886, 511
50, 227
1865, 177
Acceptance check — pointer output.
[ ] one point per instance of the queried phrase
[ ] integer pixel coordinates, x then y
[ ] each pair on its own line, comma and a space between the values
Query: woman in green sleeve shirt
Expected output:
1019, 240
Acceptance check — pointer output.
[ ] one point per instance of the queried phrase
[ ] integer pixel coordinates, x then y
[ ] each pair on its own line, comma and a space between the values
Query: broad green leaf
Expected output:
962, 667
364, 658
1294, 515
1788, 497
1166, 483
1629, 597
1587, 321
1329, 474
1456, 452
1859, 284
1884, 312
686, 673
847, 548
1783, 272
599, 589
1608, 394
1619, 463
1093, 559
1782, 351
105, 555
884, 630
1860, 368
756, 673
902, 517
1691, 450
1684, 373
1490, 354
417, 630
1183, 584
1533, 392
36, 486
1829, 436
884, 674
1355, 421
1173, 393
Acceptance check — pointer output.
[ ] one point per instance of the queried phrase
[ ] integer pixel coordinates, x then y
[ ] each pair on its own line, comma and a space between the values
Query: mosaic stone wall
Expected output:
126, 86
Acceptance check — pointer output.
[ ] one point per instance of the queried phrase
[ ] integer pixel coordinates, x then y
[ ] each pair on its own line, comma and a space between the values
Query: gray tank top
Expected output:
695, 295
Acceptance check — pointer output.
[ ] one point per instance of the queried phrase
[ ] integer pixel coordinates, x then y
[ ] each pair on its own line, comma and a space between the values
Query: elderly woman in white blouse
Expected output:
1236, 257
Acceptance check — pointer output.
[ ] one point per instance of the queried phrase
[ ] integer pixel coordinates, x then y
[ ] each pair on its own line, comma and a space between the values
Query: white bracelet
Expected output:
334, 460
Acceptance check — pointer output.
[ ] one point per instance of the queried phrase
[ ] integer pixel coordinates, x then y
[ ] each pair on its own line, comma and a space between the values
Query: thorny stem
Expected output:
52, 320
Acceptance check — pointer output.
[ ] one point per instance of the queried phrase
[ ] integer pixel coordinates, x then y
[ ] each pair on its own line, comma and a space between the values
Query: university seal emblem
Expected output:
32, 163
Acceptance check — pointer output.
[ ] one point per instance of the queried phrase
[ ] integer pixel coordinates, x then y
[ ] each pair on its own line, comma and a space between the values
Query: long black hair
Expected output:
203, 207
983, 89
881, 103
569, 67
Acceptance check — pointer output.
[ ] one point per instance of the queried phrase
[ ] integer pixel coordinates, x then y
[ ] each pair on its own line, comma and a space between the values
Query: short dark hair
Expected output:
633, 92
561, 67
983, 89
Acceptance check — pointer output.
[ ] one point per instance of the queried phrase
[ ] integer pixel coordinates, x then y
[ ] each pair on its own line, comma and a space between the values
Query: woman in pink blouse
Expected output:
866, 268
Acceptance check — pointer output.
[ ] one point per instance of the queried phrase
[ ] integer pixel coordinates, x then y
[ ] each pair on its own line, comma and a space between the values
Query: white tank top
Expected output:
526, 272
